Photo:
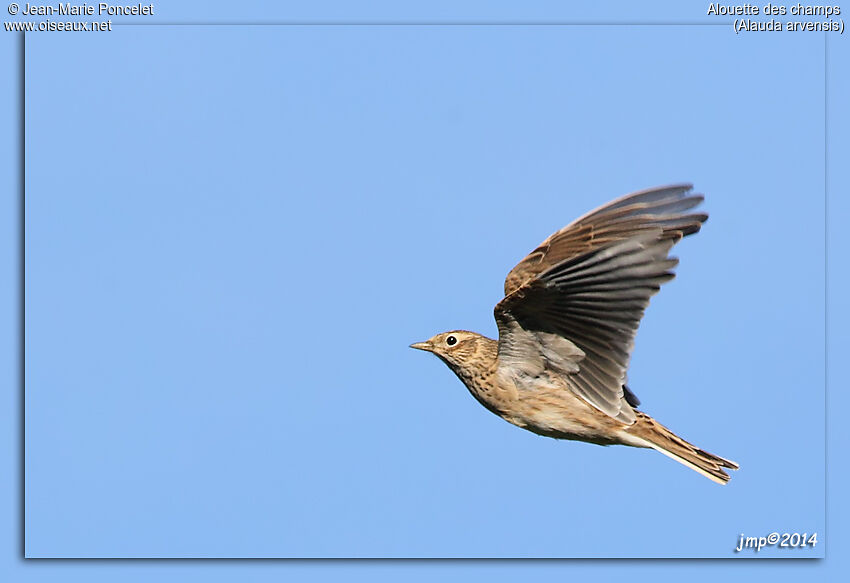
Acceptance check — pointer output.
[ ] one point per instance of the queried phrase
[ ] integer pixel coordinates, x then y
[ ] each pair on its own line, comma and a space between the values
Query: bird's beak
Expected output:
421, 346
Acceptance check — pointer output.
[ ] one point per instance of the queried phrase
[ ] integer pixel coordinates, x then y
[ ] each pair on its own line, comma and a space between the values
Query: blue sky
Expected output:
233, 233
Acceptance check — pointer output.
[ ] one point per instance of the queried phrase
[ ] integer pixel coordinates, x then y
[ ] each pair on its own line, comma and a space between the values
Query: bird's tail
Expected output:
658, 437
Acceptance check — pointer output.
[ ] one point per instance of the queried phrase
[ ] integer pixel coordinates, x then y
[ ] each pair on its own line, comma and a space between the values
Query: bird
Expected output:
567, 326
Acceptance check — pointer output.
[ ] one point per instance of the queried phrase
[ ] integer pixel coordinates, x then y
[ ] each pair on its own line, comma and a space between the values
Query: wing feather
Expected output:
631, 215
588, 286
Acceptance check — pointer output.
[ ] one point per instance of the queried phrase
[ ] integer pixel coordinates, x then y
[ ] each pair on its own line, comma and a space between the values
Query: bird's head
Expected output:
457, 348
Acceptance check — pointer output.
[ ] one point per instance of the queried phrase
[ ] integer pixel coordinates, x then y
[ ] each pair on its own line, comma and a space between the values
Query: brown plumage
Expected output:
567, 325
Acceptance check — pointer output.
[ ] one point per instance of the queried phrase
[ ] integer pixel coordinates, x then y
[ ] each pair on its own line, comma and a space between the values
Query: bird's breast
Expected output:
488, 390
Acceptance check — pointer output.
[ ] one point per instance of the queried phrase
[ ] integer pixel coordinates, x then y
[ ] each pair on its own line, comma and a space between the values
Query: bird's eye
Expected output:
451, 340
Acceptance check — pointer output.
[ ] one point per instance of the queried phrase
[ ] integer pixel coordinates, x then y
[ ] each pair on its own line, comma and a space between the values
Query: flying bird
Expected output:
567, 326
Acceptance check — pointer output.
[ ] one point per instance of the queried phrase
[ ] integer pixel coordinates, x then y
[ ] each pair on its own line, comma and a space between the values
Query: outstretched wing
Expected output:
575, 303
620, 219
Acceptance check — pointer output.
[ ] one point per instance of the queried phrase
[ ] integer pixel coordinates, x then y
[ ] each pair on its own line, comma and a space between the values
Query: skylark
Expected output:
567, 325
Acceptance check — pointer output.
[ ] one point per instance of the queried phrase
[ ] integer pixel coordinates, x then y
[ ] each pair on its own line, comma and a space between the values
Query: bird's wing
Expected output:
583, 293
620, 219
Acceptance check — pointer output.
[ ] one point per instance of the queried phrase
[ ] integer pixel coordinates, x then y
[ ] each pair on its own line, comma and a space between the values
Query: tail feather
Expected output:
654, 435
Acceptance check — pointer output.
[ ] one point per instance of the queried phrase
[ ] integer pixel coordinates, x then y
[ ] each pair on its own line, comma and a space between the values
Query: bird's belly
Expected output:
560, 414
